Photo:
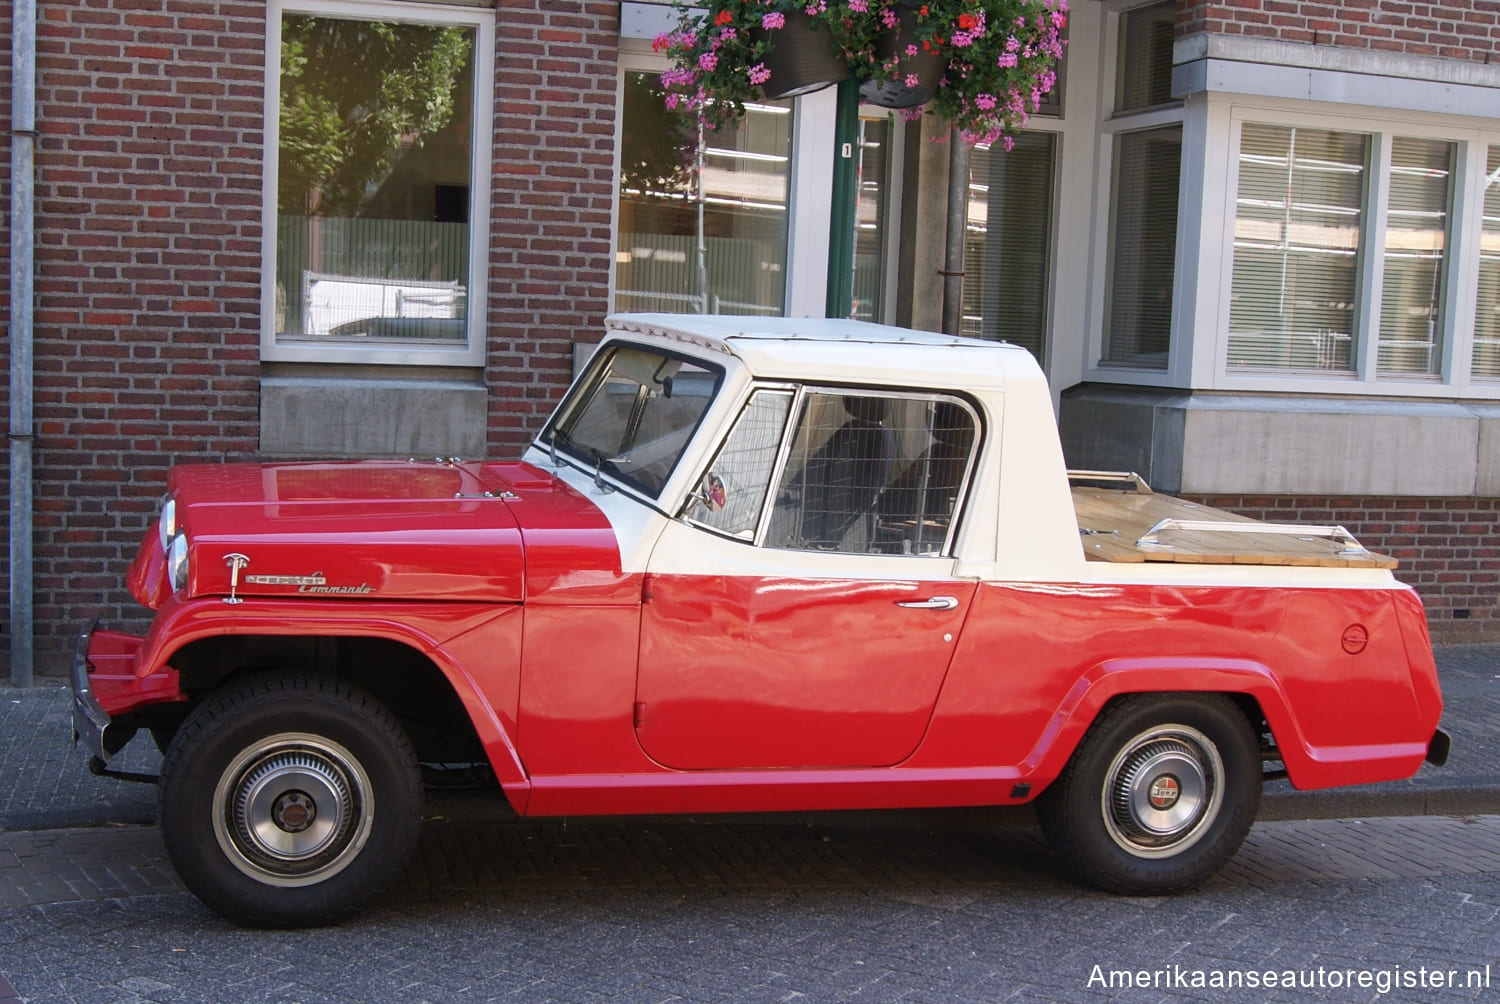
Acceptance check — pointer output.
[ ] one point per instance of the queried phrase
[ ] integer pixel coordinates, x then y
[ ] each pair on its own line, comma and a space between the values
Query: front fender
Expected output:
1308, 766
451, 635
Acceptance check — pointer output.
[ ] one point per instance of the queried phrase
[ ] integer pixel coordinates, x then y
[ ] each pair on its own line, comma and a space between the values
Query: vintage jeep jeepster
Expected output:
747, 565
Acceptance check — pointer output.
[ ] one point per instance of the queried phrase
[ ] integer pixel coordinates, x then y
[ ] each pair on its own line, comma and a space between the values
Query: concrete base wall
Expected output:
1284, 445
362, 417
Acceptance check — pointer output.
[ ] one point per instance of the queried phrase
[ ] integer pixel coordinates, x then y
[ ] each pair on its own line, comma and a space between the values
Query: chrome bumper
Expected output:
89, 719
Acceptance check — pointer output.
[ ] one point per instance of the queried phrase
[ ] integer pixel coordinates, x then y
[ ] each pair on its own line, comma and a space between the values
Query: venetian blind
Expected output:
1416, 239
1143, 248
1487, 316
1007, 258
1298, 213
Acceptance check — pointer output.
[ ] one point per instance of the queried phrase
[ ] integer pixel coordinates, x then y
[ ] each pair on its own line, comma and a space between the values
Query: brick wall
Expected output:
552, 199
150, 172
1452, 29
1449, 549
149, 167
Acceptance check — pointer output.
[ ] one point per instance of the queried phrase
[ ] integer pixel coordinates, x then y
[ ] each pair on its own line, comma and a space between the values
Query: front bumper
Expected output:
109, 700
90, 720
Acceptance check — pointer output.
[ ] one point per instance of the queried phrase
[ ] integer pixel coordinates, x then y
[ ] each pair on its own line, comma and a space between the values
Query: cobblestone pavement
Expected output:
964, 905
734, 910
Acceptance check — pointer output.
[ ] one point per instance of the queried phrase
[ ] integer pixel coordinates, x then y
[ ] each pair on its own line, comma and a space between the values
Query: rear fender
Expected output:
1119, 677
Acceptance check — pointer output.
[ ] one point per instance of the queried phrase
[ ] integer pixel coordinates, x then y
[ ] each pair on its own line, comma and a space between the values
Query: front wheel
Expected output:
288, 801
1160, 793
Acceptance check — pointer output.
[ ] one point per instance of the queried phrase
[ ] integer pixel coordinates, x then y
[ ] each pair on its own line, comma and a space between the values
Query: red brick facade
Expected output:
552, 200
149, 180
1448, 548
1450, 29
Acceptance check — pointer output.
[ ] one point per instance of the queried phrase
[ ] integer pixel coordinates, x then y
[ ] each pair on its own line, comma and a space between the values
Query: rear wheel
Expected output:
288, 801
1160, 793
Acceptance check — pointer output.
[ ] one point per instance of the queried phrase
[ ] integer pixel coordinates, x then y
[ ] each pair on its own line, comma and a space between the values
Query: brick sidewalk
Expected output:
121, 863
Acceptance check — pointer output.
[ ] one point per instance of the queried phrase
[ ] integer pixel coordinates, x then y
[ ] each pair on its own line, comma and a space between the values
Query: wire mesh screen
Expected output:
734, 491
873, 474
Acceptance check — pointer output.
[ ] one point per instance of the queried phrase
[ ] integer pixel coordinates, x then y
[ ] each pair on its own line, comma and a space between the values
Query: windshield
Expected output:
632, 414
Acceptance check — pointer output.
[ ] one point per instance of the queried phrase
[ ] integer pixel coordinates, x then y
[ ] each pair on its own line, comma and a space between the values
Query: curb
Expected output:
1356, 804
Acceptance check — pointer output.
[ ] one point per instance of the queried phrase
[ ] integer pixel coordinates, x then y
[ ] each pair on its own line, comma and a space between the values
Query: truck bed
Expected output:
1122, 519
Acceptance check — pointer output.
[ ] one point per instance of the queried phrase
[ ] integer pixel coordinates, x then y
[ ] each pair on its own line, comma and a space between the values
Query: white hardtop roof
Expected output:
816, 349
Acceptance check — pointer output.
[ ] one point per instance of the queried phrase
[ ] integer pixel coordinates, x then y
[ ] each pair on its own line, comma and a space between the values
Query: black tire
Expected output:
1158, 795
290, 801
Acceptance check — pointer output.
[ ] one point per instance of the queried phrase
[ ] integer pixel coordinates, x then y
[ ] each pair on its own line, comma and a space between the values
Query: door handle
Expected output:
935, 603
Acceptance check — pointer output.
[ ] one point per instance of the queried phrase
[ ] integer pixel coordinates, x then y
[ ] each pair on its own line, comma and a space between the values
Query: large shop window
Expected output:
1008, 242
1297, 225
1487, 317
702, 224
375, 166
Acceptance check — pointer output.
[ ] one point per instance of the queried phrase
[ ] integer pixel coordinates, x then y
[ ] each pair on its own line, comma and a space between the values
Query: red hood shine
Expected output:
384, 530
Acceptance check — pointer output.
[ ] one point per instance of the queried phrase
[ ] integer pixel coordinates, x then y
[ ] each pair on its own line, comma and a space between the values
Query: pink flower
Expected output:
888, 18
1006, 60
1009, 143
775, 19
985, 101
726, 34
912, 80
708, 61
912, 50
859, 6
759, 74
961, 39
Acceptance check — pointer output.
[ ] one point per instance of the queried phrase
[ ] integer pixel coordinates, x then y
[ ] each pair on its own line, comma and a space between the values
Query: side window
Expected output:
733, 492
873, 474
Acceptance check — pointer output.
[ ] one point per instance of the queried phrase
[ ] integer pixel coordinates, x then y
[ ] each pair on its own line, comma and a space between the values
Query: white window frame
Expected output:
1111, 124
273, 349
1461, 276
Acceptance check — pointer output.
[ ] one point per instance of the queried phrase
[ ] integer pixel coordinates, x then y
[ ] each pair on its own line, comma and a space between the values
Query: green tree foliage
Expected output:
353, 95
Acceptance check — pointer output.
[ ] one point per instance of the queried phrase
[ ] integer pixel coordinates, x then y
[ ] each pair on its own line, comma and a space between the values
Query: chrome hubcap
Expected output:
1162, 791
293, 809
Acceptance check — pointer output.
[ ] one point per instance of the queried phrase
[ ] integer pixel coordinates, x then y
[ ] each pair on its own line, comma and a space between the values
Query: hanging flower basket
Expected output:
910, 68
981, 65
799, 57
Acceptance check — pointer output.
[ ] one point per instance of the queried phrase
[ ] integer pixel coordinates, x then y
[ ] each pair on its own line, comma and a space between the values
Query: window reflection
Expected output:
373, 175
702, 219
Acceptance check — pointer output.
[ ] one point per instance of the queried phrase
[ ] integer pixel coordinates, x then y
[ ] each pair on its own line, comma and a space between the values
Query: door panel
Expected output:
775, 670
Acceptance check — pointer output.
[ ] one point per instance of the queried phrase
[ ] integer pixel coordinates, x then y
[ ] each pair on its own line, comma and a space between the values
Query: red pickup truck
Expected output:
747, 565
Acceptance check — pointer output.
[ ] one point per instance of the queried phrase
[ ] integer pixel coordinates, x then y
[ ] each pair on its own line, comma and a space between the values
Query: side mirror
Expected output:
710, 494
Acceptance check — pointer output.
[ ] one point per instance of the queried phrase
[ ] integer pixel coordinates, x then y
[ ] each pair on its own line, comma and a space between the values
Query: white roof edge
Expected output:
812, 348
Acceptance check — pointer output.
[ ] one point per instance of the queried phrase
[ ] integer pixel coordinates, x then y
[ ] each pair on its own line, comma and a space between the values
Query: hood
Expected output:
380, 530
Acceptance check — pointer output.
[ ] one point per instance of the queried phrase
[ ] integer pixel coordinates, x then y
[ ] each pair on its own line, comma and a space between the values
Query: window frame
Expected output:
273, 348
1454, 378
1111, 124
795, 414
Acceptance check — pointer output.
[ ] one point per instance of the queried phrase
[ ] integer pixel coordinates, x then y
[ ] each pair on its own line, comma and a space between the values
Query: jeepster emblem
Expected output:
314, 584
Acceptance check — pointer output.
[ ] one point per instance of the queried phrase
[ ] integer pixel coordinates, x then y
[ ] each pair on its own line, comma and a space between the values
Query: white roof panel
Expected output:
815, 349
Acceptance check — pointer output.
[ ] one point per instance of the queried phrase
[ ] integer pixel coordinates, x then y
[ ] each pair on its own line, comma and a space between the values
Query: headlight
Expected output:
177, 562
166, 525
